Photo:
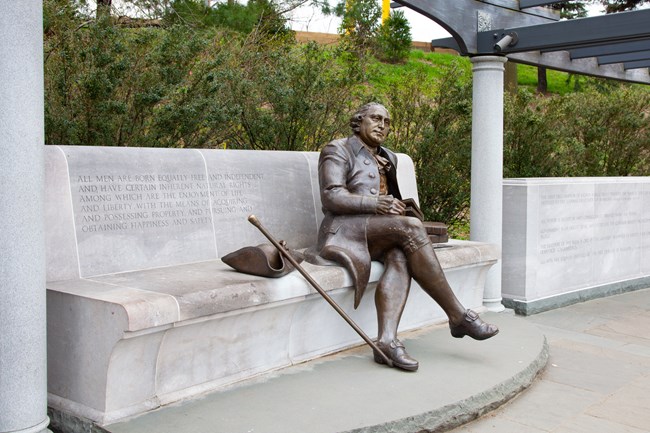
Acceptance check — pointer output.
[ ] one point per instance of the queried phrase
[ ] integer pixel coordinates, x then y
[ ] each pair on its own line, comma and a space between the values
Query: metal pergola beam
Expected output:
605, 50
624, 58
523, 4
560, 60
537, 39
578, 33
464, 18
637, 65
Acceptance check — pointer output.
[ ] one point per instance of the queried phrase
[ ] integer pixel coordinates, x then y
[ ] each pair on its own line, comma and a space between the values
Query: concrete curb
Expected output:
461, 412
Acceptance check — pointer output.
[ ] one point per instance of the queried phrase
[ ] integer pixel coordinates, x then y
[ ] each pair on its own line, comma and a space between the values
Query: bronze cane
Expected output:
256, 222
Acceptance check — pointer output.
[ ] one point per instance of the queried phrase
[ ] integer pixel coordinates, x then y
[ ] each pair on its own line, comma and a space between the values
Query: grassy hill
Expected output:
420, 61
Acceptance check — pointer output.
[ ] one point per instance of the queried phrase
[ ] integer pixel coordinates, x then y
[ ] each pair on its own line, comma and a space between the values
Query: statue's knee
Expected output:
416, 237
395, 256
413, 228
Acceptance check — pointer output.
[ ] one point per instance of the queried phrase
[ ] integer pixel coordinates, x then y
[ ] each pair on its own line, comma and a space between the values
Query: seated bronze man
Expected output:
364, 221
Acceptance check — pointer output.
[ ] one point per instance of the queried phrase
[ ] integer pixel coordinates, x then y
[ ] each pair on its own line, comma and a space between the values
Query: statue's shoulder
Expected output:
339, 146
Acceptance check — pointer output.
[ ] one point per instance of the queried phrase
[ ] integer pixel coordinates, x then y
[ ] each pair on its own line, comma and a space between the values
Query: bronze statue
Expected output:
364, 221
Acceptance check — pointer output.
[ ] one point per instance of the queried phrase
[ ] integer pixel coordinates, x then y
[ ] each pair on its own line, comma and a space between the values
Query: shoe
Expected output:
397, 353
473, 326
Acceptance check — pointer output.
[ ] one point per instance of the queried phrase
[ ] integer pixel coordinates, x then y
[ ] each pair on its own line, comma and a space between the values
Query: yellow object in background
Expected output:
385, 10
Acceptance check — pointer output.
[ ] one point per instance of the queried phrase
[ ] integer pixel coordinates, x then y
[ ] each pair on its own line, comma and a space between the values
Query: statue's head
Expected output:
371, 122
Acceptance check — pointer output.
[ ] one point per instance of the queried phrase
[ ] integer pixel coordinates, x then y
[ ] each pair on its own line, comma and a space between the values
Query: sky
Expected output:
310, 19
422, 29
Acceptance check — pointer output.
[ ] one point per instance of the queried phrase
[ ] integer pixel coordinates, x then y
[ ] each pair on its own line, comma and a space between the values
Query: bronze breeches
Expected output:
387, 232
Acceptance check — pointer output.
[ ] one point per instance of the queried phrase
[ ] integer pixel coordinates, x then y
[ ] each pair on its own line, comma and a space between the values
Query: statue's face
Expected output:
375, 126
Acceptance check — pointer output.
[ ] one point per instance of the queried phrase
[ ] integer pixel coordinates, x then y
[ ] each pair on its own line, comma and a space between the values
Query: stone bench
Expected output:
141, 310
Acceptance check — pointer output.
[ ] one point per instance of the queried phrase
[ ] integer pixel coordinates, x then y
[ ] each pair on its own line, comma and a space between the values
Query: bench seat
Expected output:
126, 336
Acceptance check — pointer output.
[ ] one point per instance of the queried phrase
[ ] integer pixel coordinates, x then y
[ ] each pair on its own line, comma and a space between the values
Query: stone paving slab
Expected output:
583, 423
598, 374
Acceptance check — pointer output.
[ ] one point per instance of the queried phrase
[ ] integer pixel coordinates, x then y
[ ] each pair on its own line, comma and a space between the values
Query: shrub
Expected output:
358, 30
103, 84
610, 131
394, 38
255, 15
529, 145
440, 142
601, 131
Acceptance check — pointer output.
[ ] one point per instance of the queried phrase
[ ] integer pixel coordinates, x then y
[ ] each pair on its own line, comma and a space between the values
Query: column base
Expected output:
38, 428
494, 305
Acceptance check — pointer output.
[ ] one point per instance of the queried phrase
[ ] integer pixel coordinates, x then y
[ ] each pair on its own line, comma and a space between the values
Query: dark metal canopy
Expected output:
530, 3
613, 46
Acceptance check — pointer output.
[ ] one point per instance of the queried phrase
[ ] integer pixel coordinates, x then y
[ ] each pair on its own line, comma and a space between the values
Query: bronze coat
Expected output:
348, 175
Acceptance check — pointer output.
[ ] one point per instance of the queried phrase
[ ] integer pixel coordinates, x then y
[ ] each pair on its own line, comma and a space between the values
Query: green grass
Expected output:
385, 74
557, 81
430, 65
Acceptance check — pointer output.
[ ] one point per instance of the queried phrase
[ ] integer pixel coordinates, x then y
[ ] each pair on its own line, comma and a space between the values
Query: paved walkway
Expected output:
596, 380
598, 376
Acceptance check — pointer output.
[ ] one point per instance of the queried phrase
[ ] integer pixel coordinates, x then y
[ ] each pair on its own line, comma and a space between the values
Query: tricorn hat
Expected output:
263, 260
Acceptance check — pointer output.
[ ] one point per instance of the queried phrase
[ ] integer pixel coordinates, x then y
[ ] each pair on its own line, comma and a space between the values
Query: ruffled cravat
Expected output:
384, 167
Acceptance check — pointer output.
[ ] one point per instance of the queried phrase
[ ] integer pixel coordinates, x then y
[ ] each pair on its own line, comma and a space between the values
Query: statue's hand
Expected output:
398, 208
388, 205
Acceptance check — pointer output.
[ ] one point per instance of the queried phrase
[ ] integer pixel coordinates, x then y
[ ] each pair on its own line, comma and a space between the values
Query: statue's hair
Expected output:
357, 117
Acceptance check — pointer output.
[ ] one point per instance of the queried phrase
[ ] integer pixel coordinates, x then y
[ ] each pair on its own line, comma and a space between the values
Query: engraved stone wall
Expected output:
136, 208
132, 209
562, 235
275, 186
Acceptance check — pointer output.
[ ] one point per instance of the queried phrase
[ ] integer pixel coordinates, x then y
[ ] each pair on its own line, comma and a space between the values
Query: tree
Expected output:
157, 9
571, 10
394, 38
255, 14
359, 26
613, 6
103, 8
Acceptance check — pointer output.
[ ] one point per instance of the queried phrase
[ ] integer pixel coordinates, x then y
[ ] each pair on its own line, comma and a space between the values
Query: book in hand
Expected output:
412, 209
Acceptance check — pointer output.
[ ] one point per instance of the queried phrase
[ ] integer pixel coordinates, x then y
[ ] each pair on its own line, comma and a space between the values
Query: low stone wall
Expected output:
570, 239
141, 310
333, 38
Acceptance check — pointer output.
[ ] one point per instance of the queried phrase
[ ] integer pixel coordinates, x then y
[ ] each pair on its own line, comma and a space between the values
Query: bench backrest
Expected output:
112, 210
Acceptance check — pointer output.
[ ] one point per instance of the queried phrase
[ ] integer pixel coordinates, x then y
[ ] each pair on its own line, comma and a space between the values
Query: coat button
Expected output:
373, 191
372, 175
366, 161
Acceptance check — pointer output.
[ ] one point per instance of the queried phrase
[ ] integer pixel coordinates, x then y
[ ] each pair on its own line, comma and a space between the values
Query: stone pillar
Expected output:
487, 164
23, 375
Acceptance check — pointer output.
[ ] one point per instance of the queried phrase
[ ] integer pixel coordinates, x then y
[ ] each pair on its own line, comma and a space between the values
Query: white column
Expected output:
23, 375
487, 164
